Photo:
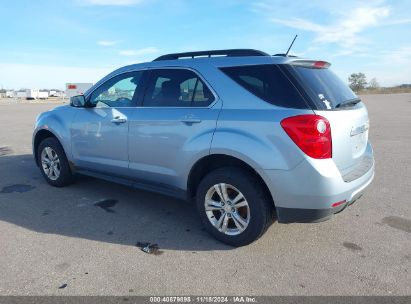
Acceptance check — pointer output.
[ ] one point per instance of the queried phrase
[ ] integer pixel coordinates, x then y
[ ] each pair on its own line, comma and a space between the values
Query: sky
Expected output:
45, 44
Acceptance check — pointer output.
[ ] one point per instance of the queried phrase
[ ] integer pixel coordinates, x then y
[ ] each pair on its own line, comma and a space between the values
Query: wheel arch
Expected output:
41, 135
214, 161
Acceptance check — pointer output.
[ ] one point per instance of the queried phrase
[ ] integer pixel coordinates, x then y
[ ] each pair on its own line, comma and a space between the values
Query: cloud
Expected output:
400, 57
346, 30
127, 53
382, 67
399, 21
390, 67
140, 52
110, 2
107, 42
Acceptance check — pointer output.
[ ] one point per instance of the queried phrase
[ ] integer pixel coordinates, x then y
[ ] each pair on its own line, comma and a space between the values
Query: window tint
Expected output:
159, 85
187, 88
268, 83
323, 86
176, 88
120, 91
202, 96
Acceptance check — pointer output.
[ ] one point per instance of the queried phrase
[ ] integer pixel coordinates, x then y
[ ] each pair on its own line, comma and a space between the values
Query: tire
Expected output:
256, 212
65, 176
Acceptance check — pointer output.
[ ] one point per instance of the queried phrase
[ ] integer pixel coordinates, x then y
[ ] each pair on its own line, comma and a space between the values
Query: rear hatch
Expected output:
348, 116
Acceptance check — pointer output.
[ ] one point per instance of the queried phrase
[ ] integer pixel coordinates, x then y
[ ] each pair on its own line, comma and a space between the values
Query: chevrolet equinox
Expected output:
243, 134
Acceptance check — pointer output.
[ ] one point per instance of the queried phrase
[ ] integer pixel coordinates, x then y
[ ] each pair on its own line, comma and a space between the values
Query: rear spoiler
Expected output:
313, 64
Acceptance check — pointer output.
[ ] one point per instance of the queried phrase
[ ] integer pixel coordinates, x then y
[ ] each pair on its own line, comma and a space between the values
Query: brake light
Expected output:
311, 133
320, 64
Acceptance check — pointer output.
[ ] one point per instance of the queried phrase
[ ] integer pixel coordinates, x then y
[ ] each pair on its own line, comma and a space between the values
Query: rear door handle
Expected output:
118, 120
190, 119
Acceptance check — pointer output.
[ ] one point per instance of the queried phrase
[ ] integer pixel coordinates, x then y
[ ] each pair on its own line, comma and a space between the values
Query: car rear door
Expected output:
173, 125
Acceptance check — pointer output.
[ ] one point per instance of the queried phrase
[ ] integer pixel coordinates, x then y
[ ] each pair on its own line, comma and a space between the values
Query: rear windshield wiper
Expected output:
349, 102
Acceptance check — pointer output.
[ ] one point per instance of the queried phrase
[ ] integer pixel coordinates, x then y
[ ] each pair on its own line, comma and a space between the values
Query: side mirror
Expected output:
78, 101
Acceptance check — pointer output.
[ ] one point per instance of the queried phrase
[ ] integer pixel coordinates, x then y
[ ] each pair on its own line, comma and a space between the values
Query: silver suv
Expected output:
244, 134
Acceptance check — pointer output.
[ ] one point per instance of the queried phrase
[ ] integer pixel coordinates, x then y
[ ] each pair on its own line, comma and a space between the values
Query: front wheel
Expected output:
53, 163
233, 206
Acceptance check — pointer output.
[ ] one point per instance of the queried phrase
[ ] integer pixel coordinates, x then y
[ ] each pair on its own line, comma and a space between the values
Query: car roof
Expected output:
220, 58
198, 60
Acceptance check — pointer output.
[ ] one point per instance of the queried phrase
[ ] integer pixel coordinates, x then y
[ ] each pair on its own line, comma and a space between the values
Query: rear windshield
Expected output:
267, 82
324, 87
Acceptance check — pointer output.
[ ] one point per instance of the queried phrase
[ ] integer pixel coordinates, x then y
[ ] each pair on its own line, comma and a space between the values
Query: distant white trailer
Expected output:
53, 93
43, 95
74, 89
21, 94
32, 94
10, 94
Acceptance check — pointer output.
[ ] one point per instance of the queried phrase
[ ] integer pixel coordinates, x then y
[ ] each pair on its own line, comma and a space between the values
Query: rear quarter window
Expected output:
267, 82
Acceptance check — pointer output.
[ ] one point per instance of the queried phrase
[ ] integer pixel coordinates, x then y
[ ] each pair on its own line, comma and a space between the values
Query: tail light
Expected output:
311, 133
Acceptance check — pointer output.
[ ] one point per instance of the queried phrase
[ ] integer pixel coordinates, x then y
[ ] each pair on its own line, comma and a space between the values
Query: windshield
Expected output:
324, 87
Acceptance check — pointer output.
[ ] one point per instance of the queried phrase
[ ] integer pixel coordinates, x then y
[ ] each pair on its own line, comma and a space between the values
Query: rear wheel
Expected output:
53, 163
233, 206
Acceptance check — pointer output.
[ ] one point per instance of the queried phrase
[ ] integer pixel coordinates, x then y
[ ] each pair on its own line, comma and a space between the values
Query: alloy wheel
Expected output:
227, 209
50, 163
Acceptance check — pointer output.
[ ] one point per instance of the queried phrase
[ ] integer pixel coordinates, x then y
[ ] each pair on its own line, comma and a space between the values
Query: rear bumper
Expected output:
306, 193
296, 215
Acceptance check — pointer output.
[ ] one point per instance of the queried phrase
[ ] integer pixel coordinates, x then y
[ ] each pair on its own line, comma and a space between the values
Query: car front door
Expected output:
99, 132
173, 125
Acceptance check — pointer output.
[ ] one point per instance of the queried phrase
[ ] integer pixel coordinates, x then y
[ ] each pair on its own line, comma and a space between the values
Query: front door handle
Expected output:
118, 120
190, 119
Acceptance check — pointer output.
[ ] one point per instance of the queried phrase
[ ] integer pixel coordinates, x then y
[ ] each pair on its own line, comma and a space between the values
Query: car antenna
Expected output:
286, 54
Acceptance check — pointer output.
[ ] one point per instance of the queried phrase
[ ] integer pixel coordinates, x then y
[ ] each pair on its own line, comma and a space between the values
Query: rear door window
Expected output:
267, 82
176, 88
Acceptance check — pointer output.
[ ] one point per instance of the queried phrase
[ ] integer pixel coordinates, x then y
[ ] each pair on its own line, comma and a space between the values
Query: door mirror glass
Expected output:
78, 101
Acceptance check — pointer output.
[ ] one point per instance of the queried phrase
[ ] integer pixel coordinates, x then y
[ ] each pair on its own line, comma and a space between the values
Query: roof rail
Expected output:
227, 53
284, 55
